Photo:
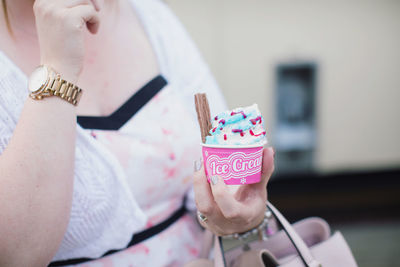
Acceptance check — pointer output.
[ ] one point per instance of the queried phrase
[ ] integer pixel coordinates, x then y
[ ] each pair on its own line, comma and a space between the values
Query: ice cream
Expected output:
240, 126
232, 142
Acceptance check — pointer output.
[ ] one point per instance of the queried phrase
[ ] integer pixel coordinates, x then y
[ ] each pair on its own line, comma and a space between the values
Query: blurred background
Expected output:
326, 75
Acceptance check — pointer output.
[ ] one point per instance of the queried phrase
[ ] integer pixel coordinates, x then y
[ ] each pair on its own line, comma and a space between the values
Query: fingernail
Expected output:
197, 164
214, 179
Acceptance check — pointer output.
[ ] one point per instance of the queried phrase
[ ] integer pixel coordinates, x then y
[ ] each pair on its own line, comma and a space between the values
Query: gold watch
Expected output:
45, 81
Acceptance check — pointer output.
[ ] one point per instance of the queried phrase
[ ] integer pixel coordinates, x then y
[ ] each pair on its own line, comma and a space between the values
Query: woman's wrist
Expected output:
259, 230
66, 73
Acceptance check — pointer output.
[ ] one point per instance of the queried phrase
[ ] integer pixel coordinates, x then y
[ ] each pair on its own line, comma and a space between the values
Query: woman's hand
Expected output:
61, 25
237, 212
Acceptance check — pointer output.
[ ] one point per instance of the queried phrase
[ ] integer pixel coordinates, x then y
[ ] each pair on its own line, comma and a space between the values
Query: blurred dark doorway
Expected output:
295, 132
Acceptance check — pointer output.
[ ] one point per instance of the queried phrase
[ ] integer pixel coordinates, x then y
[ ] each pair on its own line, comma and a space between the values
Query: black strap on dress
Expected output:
136, 238
119, 117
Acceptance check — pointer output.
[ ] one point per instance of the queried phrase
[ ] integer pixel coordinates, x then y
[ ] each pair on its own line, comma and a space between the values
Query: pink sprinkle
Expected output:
213, 130
220, 128
216, 118
222, 121
237, 130
254, 121
225, 137
242, 134
234, 113
253, 134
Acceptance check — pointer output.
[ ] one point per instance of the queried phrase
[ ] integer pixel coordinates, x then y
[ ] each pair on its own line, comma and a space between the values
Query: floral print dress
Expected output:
156, 148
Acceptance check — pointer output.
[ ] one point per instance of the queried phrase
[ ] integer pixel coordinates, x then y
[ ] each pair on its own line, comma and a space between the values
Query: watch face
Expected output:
38, 79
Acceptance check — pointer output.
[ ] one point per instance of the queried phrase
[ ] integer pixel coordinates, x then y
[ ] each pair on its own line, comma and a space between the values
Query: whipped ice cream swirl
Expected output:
240, 126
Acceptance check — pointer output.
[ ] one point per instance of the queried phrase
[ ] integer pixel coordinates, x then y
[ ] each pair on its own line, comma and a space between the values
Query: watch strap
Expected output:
65, 90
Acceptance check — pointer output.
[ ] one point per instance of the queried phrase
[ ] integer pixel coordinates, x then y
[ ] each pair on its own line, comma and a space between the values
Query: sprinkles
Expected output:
254, 121
241, 126
240, 112
253, 134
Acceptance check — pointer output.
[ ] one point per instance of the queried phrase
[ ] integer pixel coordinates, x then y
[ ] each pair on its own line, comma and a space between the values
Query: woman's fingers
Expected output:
228, 205
267, 165
202, 193
73, 3
96, 4
87, 10
259, 190
88, 16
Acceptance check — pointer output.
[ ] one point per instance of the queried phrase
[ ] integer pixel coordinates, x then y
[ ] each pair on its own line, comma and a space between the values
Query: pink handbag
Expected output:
306, 243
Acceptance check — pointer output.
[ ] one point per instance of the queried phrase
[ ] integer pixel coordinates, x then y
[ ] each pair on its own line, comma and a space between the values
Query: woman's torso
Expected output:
115, 68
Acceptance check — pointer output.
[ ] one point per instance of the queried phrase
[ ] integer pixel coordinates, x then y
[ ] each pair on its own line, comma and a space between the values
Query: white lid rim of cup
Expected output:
234, 146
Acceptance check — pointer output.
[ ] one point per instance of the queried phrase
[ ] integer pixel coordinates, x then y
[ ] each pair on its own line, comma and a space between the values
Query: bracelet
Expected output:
258, 230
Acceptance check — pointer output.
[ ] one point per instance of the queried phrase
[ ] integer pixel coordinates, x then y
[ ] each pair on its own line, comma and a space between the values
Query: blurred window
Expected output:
294, 137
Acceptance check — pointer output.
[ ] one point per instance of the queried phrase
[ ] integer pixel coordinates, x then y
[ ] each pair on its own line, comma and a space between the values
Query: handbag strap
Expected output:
299, 244
297, 241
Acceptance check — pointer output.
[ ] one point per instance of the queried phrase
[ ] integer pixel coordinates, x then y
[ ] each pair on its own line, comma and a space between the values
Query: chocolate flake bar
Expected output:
203, 115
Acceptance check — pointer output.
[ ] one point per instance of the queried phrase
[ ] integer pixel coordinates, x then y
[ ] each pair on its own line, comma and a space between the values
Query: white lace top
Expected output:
105, 211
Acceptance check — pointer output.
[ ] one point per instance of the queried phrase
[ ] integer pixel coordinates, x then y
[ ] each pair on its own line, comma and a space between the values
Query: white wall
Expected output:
355, 44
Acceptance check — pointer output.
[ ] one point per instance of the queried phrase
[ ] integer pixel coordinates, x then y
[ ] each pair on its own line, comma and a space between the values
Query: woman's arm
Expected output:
37, 167
36, 180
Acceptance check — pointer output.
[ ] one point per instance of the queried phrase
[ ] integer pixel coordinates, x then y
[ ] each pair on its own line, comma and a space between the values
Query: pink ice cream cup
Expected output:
235, 164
